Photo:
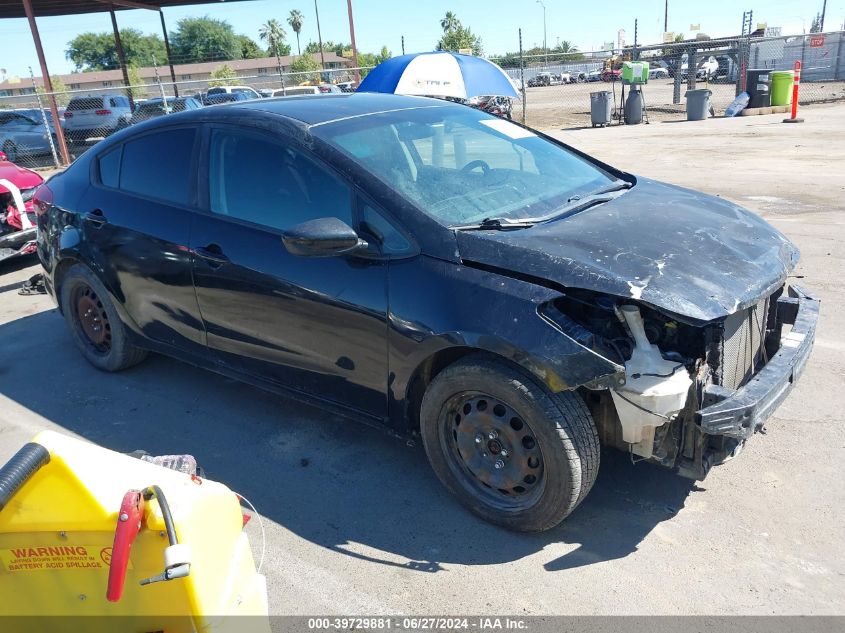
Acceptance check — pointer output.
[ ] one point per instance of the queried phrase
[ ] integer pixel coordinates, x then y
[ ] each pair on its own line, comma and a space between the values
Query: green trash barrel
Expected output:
782, 87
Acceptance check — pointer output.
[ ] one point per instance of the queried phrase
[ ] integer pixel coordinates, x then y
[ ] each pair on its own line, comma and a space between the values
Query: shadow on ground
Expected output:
337, 484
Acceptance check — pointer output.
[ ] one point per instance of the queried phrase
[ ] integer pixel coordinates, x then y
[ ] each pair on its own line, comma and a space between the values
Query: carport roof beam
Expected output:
47, 8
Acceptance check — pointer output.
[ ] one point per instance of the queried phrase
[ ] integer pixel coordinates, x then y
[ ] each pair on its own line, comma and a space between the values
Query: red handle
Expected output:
128, 526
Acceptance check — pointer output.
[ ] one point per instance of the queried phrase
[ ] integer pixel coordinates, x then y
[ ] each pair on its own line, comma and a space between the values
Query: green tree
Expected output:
461, 37
816, 25
249, 48
59, 89
306, 64
136, 83
204, 40
97, 51
369, 60
328, 47
450, 22
295, 21
273, 33
222, 75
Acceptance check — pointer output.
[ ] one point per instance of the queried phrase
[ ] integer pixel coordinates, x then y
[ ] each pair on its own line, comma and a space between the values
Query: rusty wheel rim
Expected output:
493, 451
92, 319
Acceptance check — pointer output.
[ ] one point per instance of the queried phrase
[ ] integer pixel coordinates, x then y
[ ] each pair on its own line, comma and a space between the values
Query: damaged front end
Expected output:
693, 392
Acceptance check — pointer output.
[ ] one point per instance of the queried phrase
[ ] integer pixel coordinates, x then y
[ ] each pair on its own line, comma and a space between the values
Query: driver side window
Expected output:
263, 181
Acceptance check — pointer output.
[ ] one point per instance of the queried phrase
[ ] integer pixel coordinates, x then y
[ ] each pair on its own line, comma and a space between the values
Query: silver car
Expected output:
96, 116
23, 135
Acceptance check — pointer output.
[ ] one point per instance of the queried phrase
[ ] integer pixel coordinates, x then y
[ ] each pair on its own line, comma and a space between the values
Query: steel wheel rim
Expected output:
492, 450
92, 319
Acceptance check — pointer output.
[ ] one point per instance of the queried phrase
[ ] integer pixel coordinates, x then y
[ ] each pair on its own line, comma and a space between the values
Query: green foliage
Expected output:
295, 21
203, 40
249, 48
59, 88
135, 81
305, 64
222, 76
816, 25
370, 59
273, 33
456, 36
97, 51
328, 47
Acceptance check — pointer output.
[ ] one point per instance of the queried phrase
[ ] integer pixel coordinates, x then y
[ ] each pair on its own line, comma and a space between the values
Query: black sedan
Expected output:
448, 274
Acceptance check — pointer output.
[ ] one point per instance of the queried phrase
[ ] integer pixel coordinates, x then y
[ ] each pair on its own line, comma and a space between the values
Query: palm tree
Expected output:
273, 33
295, 20
567, 47
449, 22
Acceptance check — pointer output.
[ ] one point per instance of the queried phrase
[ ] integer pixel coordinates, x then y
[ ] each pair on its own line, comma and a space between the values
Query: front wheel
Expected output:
510, 450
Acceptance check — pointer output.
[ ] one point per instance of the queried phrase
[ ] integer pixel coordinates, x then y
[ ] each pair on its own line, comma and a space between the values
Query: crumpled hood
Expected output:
681, 251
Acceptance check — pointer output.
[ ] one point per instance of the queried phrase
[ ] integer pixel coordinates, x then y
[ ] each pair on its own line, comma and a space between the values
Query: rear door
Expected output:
136, 222
315, 325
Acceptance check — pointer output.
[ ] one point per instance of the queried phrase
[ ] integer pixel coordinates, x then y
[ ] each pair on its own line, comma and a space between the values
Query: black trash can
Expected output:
758, 85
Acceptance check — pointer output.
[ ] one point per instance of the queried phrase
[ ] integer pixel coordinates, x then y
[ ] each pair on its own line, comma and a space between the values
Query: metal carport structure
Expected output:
31, 9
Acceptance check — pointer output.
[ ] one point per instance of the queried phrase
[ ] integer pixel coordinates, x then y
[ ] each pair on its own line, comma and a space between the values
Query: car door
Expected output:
315, 325
136, 218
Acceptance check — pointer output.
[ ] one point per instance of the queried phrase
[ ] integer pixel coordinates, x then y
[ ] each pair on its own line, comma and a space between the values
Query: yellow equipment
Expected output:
78, 521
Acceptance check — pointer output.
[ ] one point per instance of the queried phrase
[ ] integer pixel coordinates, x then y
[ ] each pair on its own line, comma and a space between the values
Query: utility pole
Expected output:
320, 38
666, 17
821, 20
403, 44
545, 48
352, 37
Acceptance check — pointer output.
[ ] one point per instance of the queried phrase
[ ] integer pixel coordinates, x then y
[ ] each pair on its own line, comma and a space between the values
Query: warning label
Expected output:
60, 557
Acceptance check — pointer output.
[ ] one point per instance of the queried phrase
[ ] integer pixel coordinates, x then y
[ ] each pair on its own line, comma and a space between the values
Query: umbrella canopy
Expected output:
439, 74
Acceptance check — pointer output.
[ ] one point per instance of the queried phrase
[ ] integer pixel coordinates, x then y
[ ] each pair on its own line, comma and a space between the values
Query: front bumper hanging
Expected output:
740, 413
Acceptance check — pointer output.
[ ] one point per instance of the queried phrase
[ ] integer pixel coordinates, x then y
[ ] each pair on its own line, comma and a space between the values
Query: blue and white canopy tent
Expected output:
439, 74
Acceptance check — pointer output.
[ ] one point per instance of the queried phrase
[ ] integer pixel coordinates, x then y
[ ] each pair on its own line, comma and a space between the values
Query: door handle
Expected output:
213, 254
96, 217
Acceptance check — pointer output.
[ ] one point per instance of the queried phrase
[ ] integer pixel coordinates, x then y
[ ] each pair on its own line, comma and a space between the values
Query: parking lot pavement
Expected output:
358, 524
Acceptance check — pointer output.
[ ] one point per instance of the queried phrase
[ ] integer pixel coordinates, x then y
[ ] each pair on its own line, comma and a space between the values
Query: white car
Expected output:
219, 90
658, 73
96, 116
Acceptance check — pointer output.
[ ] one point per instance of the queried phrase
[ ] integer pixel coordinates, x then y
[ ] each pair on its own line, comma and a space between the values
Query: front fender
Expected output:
437, 305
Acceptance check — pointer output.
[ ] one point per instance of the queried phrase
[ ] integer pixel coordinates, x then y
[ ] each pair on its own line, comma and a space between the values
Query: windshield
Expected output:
462, 166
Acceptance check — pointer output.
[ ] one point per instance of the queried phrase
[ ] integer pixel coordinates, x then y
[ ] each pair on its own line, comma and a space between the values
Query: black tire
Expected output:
560, 427
94, 324
11, 151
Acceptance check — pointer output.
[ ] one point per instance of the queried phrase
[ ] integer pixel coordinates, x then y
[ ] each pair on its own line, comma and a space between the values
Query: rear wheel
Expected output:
11, 151
509, 449
94, 323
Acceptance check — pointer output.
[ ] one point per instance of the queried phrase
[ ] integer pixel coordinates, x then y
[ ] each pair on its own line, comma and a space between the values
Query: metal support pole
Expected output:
48, 85
522, 76
691, 68
320, 38
666, 17
821, 19
676, 83
169, 56
634, 54
121, 57
403, 44
352, 37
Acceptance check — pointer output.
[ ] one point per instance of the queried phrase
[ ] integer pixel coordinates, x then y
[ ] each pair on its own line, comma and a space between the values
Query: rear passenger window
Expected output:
270, 184
159, 165
109, 166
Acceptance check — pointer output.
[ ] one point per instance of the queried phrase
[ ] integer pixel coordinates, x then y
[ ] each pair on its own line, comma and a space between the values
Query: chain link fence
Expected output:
557, 89
558, 85
28, 134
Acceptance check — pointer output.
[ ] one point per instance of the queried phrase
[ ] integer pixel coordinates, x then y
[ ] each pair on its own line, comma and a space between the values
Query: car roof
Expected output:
316, 109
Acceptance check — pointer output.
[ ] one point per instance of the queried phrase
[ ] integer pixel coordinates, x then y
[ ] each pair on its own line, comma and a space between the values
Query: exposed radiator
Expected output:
741, 345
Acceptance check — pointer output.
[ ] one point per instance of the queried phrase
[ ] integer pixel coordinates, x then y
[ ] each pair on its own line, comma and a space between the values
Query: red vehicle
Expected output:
611, 75
17, 215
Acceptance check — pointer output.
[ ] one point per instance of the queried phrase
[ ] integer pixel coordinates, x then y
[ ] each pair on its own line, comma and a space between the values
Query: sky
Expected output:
383, 22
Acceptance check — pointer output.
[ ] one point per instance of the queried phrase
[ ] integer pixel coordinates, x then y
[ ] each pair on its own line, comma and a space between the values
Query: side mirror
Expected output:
323, 237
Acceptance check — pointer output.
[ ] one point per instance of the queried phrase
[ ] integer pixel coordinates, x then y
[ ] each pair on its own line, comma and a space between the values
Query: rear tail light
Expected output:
42, 200
102, 112
68, 115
